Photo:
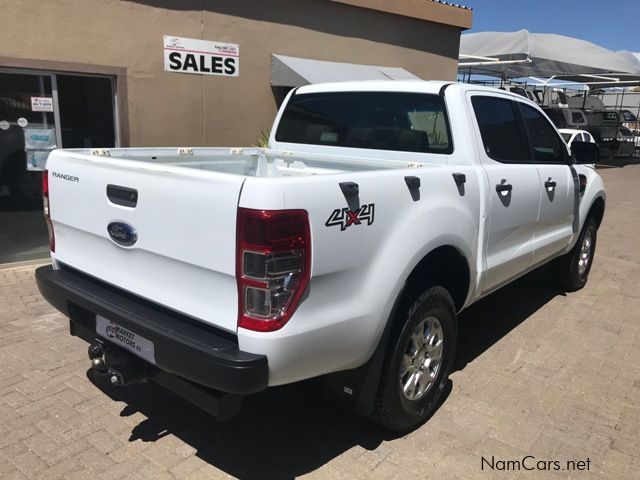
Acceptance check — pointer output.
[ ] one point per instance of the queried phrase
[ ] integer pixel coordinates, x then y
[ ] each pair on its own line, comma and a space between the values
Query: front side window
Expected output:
501, 135
625, 132
577, 117
519, 91
556, 116
410, 122
546, 144
628, 116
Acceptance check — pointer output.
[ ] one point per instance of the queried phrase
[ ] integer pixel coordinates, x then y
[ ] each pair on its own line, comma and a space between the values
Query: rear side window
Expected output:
546, 144
556, 116
519, 91
410, 122
501, 135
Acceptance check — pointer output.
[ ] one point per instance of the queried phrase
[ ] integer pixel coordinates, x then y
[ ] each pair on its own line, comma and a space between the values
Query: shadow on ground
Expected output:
282, 433
292, 430
487, 321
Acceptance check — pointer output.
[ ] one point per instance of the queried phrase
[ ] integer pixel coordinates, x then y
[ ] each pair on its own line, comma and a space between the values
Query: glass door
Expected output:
27, 134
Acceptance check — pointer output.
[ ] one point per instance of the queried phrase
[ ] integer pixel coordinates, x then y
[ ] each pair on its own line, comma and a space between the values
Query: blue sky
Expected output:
613, 24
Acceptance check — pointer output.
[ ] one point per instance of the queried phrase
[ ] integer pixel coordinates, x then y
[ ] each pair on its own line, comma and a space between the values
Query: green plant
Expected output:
263, 138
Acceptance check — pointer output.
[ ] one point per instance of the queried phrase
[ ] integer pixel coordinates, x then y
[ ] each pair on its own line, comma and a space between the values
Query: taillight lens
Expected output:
273, 266
47, 210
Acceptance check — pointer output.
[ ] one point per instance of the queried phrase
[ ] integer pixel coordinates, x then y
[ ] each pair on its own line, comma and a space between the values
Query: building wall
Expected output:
162, 108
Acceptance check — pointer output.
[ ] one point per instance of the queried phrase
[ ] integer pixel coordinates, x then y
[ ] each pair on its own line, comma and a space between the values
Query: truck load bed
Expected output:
248, 162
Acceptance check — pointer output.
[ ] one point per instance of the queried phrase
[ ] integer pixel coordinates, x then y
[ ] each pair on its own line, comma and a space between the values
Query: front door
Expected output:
558, 185
514, 188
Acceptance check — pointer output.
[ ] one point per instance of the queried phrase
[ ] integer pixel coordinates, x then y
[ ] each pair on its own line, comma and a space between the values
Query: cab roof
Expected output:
423, 86
419, 86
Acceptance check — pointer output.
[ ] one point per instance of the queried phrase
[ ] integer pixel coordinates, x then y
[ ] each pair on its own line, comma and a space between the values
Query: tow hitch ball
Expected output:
96, 356
118, 367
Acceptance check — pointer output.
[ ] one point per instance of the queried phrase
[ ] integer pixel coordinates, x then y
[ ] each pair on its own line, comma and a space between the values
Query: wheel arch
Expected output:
429, 271
597, 210
445, 266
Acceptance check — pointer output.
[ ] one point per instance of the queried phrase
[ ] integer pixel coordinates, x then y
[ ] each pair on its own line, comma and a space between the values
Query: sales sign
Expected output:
189, 55
41, 104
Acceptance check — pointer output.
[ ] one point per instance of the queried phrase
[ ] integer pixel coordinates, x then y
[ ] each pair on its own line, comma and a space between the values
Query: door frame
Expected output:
54, 94
56, 104
117, 75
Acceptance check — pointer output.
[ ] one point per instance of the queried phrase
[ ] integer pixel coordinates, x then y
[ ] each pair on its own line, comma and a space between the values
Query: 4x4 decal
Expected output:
344, 217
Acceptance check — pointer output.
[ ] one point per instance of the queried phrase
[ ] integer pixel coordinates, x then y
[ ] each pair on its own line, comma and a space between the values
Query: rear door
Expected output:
514, 187
184, 219
548, 152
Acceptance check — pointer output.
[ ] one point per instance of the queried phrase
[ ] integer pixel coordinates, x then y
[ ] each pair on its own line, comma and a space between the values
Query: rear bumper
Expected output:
183, 346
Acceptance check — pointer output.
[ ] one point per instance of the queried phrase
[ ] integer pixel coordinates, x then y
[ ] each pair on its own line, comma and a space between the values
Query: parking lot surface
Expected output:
542, 377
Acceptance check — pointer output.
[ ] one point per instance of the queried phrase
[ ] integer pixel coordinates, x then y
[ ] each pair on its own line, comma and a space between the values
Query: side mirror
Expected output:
585, 153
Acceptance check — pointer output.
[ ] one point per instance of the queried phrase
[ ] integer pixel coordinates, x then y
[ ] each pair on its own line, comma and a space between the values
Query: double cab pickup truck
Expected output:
345, 250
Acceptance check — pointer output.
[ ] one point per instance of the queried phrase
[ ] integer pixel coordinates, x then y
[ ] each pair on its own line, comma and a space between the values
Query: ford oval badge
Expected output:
123, 234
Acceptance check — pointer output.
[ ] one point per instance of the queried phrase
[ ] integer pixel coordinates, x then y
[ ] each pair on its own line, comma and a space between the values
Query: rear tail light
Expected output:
47, 210
273, 266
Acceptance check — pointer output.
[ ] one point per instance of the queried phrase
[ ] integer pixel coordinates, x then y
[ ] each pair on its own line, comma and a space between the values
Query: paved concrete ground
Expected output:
540, 373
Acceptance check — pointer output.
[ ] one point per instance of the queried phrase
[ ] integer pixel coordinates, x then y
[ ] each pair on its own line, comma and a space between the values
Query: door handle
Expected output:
125, 196
550, 184
459, 178
503, 187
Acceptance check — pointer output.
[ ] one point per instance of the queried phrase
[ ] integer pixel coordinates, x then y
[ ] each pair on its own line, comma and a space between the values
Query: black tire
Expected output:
393, 409
570, 269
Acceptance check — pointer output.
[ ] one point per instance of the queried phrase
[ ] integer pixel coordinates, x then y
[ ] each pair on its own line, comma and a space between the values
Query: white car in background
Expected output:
636, 138
571, 135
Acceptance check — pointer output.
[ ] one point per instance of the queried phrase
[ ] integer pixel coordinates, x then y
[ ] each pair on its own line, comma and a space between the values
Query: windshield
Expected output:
625, 132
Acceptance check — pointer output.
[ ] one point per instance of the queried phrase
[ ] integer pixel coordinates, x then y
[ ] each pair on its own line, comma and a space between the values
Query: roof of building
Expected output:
451, 4
438, 11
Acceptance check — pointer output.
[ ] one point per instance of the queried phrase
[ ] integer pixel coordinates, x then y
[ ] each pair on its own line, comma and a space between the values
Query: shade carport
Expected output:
294, 72
525, 54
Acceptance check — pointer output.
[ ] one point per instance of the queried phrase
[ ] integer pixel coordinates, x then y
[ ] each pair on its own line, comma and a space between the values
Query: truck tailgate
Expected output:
185, 221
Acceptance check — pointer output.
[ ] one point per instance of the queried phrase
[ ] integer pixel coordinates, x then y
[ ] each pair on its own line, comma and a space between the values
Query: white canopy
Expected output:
524, 54
295, 72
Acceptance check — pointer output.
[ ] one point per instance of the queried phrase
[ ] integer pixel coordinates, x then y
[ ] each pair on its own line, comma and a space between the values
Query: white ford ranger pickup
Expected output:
344, 250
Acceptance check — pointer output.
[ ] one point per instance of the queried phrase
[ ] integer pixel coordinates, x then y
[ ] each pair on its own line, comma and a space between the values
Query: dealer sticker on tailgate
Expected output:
126, 338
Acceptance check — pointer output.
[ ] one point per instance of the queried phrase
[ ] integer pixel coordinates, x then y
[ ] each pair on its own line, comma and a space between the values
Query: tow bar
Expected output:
118, 366
121, 368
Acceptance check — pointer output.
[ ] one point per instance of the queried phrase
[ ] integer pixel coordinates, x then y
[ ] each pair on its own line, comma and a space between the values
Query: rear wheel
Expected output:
419, 362
572, 270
